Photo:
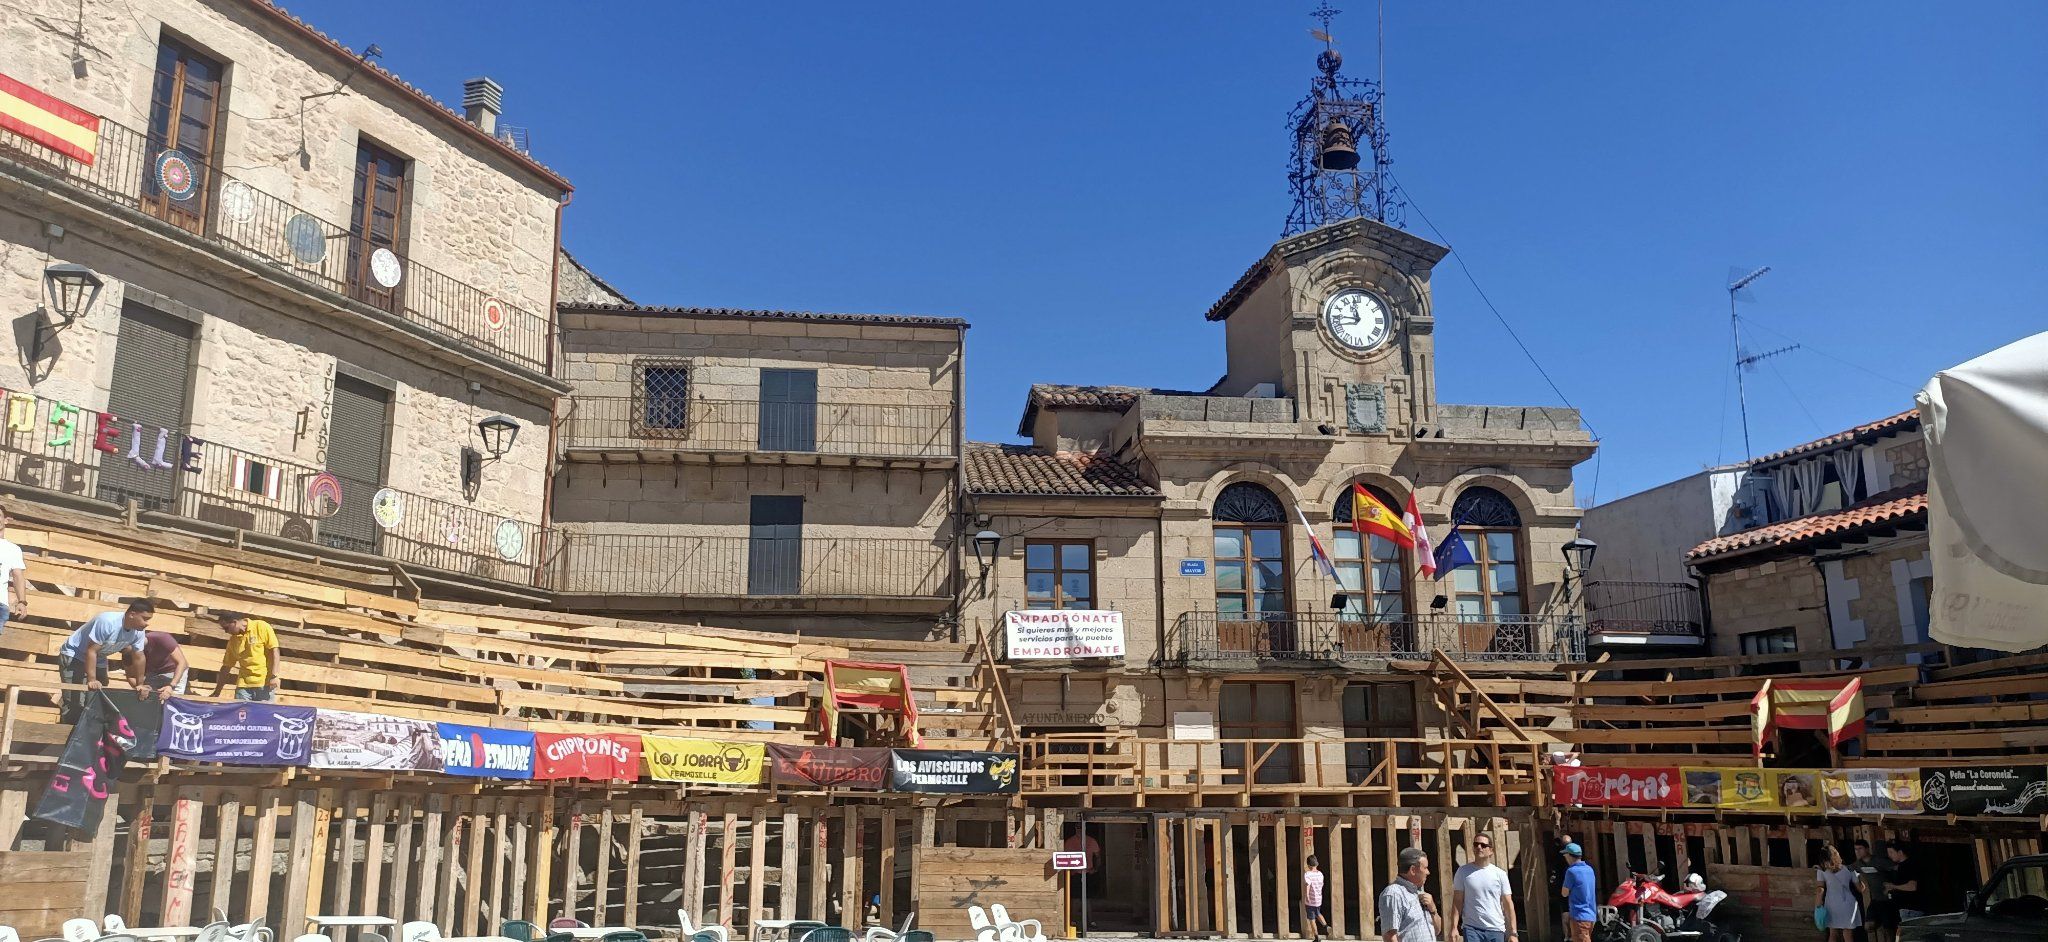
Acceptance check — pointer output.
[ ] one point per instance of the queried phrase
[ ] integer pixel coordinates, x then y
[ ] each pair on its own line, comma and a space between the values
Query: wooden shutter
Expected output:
152, 373
374, 222
184, 110
789, 410
358, 441
775, 546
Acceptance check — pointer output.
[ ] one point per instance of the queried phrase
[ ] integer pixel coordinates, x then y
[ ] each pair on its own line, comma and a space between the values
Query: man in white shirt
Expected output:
1481, 900
85, 655
13, 572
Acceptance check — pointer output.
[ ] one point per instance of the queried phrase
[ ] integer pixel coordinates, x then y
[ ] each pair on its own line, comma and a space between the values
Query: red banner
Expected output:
1616, 788
596, 757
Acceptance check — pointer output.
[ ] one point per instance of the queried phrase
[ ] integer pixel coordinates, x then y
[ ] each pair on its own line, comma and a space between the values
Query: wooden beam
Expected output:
757, 872
473, 890
544, 861
602, 885
227, 828
1255, 866
100, 866
1283, 878
433, 861
786, 894
728, 861
1333, 875
373, 856
1366, 886
501, 843
518, 896
850, 908
298, 859
182, 863
345, 857
1162, 877
821, 832
399, 901
886, 871
635, 824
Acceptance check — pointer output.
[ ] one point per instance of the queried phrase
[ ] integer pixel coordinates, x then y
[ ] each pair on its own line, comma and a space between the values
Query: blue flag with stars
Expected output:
1452, 552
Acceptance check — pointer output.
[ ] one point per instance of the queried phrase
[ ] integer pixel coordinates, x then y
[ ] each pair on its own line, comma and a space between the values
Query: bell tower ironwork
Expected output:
1340, 166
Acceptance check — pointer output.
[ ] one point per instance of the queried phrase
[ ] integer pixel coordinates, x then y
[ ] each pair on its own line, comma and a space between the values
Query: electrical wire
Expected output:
1594, 494
1795, 398
1803, 345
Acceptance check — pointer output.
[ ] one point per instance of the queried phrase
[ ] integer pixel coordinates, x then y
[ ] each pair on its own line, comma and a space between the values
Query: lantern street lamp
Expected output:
72, 290
985, 545
498, 432
1578, 556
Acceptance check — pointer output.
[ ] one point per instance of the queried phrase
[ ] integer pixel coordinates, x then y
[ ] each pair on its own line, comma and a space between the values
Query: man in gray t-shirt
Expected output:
1482, 902
1407, 914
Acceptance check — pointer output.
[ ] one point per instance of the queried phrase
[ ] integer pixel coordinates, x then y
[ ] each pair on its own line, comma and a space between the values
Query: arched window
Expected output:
1372, 574
1491, 587
1250, 552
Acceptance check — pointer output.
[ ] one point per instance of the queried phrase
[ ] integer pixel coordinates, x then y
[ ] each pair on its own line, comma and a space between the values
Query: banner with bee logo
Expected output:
672, 759
949, 771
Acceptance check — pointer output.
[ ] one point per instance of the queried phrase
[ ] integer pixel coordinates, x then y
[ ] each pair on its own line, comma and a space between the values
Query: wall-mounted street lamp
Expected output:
71, 290
497, 432
1578, 556
985, 545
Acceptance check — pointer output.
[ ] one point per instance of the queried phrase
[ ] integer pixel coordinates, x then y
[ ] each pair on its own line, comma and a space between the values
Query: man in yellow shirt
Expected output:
251, 658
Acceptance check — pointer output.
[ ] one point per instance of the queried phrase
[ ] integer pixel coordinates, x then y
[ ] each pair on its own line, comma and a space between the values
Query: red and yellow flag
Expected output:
57, 125
1368, 515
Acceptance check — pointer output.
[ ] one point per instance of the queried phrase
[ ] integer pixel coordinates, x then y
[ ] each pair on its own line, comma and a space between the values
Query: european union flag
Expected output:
1452, 552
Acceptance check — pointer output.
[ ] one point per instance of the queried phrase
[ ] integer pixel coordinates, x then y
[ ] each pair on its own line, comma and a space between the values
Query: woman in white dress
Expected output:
1836, 887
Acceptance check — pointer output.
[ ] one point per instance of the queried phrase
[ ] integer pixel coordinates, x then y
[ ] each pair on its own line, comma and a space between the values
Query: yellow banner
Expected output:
671, 759
1794, 790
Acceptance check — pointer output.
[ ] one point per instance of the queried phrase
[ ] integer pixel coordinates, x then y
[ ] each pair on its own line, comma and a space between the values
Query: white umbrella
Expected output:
1986, 424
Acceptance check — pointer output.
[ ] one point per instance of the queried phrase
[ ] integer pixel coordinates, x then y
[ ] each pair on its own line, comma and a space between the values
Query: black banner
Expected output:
949, 771
1985, 791
116, 726
828, 767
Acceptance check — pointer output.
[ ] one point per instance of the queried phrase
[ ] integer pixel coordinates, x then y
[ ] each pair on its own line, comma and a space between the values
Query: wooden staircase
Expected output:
1501, 705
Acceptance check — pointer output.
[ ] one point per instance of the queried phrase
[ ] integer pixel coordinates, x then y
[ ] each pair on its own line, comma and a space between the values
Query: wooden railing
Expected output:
1385, 771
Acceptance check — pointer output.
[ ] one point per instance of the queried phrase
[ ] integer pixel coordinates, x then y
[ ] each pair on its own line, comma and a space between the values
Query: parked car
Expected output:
2012, 905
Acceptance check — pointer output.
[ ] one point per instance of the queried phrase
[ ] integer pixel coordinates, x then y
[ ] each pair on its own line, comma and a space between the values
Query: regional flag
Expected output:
1425, 556
57, 125
1368, 515
1315, 547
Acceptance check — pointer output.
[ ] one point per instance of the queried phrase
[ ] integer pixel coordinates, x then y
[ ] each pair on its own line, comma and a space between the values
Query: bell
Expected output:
1339, 152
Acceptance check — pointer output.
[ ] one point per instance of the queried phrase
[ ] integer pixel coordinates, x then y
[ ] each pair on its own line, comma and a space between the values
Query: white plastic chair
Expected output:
1014, 930
691, 927
114, 923
884, 934
81, 930
7, 934
312, 937
984, 930
419, 931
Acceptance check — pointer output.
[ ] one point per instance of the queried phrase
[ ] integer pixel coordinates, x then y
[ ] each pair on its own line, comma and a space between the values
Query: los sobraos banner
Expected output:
1068, 633
673, 759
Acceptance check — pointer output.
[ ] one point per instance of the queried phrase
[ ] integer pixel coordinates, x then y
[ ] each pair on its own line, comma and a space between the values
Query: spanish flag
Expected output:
860, 684
1835, 706
59, 126
1368, 515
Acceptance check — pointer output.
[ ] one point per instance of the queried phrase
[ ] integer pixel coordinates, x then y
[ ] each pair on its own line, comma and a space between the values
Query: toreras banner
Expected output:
671, 759
827, 767
1985, 791
947, 771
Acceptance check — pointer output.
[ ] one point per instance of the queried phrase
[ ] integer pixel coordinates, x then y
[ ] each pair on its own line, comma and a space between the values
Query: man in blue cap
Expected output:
1578, 894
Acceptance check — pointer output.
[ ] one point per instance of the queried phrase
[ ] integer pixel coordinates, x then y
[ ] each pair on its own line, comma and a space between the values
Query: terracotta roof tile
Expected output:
1027, 471
655, 310
1897, 505
1904, 421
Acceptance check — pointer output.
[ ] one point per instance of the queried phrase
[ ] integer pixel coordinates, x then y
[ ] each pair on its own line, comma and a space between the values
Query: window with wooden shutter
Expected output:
375, 222
358, 444
151, 382
775, 545
184, 112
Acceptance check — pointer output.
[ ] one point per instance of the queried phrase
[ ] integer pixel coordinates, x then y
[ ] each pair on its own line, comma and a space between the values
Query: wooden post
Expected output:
1226, 835
373, 856
345, 876
1191, 886
100, 867
399, 900
544, 861
517, 905
298, 859
473, 895
572, 863
821, 832
728, 861
1162, 876
1222, 895
1366, 887
886, 871
432, 842
850, 903
602, 886
786, 895
13, 806
181, 869
227, 833
757, 872
1333, 878
1254, 833
1283, 878
635, 823
695, 841
449, 858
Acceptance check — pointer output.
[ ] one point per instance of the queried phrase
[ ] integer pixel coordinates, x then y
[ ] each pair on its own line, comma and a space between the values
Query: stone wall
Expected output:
474, 214
1781, 593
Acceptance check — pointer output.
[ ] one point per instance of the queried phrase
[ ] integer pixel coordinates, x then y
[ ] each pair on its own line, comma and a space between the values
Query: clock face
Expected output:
1357, 319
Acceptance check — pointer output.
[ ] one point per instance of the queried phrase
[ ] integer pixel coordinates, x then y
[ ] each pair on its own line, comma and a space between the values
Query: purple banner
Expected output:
236, 733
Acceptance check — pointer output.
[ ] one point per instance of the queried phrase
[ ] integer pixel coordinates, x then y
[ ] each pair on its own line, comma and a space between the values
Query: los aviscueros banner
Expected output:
594, 757
1985, 791
674, 759
485, 752
950, 771
828, 767
239, 733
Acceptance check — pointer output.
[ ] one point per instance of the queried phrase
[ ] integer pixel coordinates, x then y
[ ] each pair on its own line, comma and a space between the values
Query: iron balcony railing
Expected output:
264, 495
1321, 638
1670, 609
233, 215
680, 423
738, 566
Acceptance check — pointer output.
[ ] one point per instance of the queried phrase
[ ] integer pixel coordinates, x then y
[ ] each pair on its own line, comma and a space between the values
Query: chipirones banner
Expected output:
672, 759
1870, 791
1985, 791
236, 733
828, 767
948, 771
485, 752
346, 740
595, 757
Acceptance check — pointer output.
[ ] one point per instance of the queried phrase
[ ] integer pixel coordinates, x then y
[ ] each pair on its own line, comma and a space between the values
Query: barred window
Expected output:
663, 387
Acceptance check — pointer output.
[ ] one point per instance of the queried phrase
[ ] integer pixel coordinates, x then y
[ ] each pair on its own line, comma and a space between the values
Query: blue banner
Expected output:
236, 733
487, 752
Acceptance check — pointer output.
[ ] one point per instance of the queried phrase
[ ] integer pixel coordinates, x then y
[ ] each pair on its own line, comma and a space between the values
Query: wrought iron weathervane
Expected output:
1340, 167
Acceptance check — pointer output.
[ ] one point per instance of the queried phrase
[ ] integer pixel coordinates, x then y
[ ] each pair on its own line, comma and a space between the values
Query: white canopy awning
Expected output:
1986, 424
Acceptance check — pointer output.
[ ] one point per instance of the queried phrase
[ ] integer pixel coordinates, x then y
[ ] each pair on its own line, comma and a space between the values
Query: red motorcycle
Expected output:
1641, 910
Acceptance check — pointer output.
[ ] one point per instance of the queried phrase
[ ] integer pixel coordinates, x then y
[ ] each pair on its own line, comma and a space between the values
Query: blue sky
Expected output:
1082, 180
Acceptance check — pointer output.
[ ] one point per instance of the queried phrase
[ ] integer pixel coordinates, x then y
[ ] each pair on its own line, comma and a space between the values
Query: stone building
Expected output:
761, 469
225, 234
1839, 560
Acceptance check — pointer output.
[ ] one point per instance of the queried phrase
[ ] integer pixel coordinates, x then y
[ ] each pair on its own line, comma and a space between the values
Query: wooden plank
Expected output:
1333, 875
1219, 895
373, 855
473, 891
450, 843
728, 860
786, 898
757, 877
518, 904
886, 874
849, 869
13, 802
572, 863
398, 901
1283, 878
181, 867
544, 861
635, 823
693, 865
345, 855
601, 904
501, 850
433, 846
1255, 857
1226, 837
1162, 879
99, 873
227, 829
298, 858
1366, 886
820, 886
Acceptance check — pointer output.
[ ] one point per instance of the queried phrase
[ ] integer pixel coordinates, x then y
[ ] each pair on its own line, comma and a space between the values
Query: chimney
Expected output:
482, 101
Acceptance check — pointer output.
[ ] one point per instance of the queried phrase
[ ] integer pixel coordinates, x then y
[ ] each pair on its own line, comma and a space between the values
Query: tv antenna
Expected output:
1738, 290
